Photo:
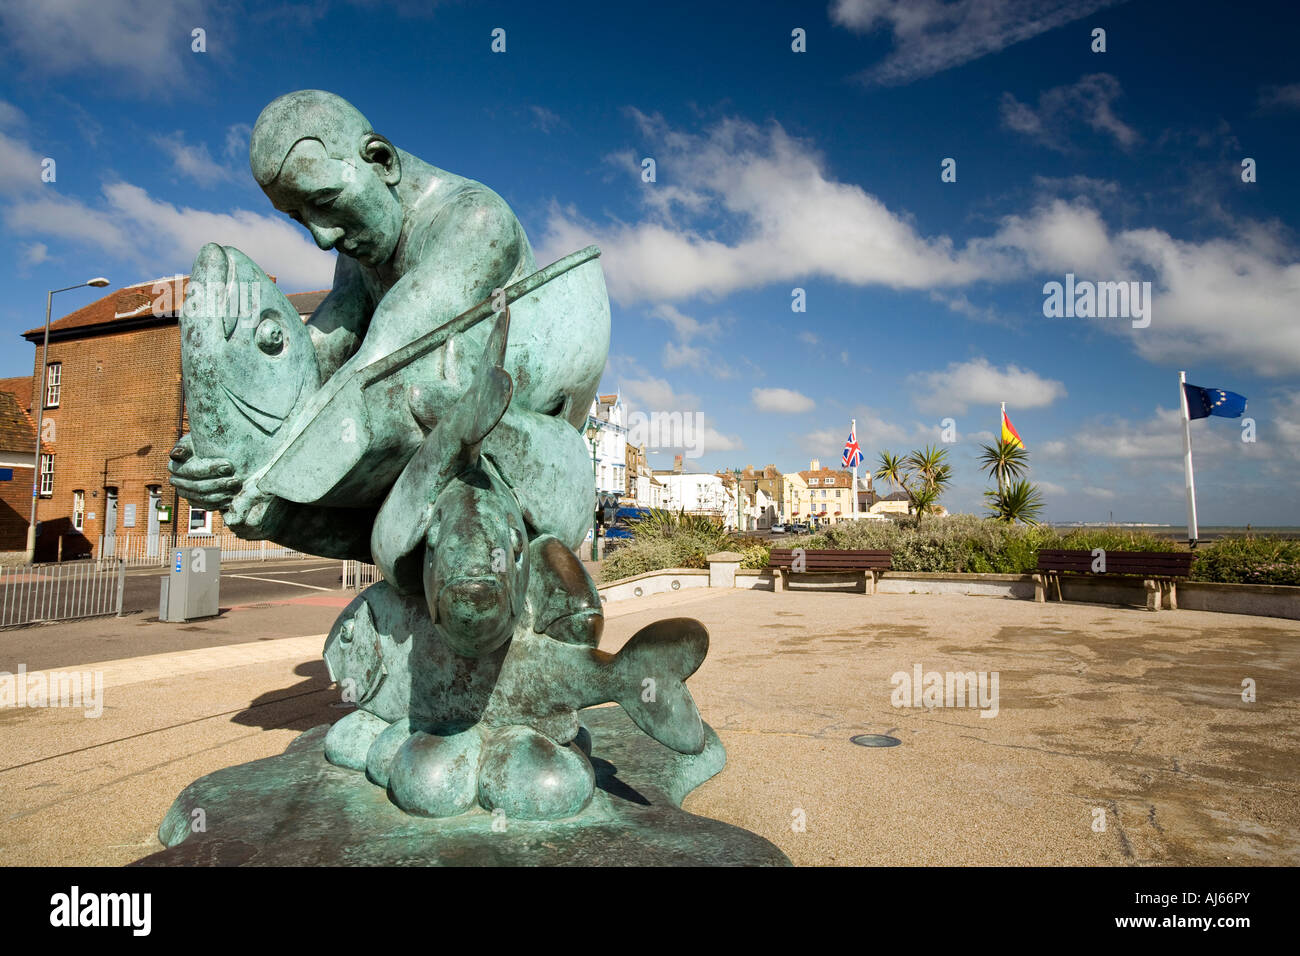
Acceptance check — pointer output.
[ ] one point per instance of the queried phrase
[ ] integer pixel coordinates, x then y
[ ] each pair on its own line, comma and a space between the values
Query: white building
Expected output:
607, 415
696, 494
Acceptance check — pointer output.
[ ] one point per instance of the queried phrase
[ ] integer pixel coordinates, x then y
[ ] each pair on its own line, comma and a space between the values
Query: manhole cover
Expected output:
875, 740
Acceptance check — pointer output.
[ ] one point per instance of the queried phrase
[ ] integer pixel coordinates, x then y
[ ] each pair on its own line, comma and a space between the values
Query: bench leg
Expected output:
1040, 588
1056, 578
778, 580
1171, 595
1153, 594
875, 577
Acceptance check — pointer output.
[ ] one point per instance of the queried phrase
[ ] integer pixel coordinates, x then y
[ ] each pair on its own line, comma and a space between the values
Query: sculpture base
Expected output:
299, 810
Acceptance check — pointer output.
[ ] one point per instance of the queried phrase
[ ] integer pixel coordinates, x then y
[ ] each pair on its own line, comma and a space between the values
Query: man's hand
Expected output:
208, 483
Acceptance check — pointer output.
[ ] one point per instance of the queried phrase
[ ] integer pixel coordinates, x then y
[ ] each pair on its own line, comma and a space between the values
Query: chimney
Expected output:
677, 464
815, 465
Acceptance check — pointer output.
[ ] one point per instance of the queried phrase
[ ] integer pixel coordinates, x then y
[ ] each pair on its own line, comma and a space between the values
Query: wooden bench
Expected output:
1159, 569
828, 561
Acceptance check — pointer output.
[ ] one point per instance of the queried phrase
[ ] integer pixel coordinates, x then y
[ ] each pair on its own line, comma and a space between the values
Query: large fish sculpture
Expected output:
247, 360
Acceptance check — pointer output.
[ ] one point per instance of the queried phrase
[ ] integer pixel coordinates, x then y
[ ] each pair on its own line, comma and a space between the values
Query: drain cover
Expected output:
875, 740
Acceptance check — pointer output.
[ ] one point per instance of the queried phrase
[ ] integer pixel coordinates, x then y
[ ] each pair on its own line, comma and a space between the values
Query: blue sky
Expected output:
775, 170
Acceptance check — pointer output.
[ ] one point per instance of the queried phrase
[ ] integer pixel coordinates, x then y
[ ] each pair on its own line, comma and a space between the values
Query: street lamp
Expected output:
593, 430
98, 282
740, 521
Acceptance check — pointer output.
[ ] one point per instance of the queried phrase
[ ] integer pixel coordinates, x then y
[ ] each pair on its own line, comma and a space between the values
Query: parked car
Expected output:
778, 529
798, 529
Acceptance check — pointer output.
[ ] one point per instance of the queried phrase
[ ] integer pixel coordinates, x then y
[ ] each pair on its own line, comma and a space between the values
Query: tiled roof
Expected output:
128, 302
308, 302
20, 388
17, 430
841, 479
135, 301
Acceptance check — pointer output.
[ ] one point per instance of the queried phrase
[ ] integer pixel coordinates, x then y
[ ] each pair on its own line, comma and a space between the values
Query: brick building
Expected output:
113, 410
17, 446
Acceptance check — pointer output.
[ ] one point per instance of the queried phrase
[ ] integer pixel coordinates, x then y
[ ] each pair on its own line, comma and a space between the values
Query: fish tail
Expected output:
653, 667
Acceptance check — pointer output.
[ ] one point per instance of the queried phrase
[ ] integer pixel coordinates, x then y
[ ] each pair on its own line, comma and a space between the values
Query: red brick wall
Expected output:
15, 506
119, 392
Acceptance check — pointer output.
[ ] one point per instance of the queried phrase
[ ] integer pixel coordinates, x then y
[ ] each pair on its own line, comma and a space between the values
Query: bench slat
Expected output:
1151, 563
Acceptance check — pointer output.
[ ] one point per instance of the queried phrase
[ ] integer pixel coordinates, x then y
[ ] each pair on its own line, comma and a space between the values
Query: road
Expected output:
247, 582
259, 601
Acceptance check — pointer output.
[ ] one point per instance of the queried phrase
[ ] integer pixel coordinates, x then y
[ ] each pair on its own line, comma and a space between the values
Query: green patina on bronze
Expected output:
297, 809
428, 419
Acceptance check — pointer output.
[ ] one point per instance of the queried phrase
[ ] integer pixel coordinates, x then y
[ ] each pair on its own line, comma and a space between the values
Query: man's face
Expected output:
343, 204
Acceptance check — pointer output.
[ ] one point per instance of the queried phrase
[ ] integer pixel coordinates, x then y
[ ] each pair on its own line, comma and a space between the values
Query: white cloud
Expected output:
933, 35
35, 253
684, 325
1230, 296
1280, 97
1062, 109
144, 43
649, 394
160, 237
781, 401
809, 338
979, 382
676, 356
790, 217
194, 162
1051, 488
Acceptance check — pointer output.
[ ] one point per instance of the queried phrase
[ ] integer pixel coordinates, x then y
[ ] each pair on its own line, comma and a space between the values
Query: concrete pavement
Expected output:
1121, 736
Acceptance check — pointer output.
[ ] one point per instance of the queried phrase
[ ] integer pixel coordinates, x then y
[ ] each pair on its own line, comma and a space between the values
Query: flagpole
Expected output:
853, 494
1001, 425
1192, 531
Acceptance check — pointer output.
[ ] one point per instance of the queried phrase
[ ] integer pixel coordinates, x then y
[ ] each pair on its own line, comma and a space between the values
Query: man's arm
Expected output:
474, 246
339, 322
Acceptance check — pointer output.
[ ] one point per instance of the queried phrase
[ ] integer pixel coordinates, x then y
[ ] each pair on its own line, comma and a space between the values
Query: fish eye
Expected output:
345, 633
517, 538
269, 335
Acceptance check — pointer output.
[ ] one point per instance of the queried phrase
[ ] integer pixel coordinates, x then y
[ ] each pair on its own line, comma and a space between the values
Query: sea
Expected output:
1178, 532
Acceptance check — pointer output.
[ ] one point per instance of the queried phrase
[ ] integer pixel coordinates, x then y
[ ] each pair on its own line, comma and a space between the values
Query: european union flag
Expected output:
1204, 402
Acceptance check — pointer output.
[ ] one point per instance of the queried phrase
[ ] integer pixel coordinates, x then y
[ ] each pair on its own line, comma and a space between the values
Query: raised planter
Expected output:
1263, 600
654, 582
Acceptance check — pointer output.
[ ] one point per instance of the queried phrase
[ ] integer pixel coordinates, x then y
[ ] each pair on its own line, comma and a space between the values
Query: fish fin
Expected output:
653, 667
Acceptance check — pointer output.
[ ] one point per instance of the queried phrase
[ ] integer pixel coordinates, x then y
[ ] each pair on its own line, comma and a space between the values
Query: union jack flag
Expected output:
852, 456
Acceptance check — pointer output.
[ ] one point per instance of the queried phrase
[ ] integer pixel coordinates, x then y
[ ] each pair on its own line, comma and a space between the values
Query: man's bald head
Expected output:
306, 114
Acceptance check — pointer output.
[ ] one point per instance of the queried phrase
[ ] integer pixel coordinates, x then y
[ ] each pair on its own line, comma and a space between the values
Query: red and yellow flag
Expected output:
1009, 433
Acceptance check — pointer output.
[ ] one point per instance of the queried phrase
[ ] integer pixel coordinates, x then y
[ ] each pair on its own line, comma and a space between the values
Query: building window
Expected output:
813, 481
47, 475
79, 510
53, 378
200, 521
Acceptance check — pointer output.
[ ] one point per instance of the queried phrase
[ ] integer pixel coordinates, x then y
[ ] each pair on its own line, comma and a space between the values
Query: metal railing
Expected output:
60, 592
151, 550
358, 575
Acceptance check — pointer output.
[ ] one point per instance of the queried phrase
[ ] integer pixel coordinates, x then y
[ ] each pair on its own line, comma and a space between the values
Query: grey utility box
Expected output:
192, 586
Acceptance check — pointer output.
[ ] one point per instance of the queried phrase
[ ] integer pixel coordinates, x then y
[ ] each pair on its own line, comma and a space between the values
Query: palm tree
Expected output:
1004, 460
925, 498
929, 464
892, 470
1018, 501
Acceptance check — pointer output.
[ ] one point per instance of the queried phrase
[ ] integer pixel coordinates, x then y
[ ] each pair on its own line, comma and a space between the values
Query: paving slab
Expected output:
1121, 736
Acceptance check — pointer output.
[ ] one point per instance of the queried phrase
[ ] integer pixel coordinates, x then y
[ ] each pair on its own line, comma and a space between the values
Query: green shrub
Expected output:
962, 543
1249, 560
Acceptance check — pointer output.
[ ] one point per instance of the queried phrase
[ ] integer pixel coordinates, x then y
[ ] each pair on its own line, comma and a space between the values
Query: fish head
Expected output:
476, 564
354, 654
247, 359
